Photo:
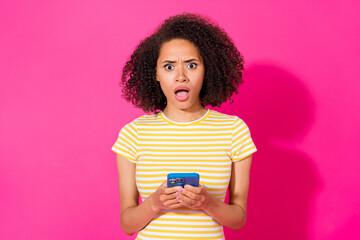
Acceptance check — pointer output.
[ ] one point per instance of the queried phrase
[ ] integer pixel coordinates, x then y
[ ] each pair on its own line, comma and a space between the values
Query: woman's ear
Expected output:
156, 76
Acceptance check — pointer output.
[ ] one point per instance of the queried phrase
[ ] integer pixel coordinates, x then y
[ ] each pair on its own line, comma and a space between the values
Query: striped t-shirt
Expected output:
207, 146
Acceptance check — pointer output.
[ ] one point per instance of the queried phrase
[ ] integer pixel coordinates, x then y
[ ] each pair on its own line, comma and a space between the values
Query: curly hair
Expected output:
223, 63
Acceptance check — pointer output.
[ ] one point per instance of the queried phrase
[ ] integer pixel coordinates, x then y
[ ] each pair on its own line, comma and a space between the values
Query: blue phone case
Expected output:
181, 179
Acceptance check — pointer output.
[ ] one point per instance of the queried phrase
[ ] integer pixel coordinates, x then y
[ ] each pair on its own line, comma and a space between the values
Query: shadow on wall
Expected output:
279, 112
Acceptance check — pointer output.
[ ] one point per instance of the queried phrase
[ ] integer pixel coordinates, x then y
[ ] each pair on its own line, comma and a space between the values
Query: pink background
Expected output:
61, 111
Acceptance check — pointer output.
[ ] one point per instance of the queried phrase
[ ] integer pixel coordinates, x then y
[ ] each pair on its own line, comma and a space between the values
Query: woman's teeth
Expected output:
181, 93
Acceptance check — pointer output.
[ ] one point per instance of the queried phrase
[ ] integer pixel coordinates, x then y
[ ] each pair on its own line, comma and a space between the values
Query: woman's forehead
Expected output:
178, 49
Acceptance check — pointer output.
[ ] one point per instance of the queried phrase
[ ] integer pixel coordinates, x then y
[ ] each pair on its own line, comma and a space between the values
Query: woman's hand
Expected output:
194, 197
165, 198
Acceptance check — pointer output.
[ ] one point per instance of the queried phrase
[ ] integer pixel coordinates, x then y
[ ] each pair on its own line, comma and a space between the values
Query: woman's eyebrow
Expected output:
189, 60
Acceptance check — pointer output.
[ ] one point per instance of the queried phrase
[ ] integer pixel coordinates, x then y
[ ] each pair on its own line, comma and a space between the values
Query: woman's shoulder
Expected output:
223, 116
146, 119
228, 119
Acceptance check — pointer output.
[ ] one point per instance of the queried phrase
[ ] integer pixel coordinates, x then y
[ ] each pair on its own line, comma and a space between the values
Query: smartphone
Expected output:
181, 179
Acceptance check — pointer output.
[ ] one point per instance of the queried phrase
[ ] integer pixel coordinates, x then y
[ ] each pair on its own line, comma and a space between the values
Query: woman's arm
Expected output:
232, 215
134, 217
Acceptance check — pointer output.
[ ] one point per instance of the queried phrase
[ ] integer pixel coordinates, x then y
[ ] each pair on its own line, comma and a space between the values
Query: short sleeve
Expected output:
242, 144
126, 143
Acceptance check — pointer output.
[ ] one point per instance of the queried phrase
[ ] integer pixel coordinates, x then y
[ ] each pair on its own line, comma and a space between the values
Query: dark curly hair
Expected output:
223, 63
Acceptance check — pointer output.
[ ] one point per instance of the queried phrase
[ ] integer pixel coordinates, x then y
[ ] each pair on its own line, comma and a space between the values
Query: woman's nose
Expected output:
181, 76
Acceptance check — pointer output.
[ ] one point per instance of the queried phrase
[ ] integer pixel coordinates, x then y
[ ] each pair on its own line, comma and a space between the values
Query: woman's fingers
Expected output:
164, 184
171, 190
171, 202
166, 197
188, 202
193, 189
193, 197
176, 205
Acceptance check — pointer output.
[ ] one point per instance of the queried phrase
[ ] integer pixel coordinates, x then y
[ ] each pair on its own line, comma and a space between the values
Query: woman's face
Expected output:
180, 71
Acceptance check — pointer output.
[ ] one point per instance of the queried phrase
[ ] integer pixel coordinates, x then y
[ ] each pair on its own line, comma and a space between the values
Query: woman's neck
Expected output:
179, 115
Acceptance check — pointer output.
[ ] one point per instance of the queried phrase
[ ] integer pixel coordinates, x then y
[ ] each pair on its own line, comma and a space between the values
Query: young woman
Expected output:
186, 64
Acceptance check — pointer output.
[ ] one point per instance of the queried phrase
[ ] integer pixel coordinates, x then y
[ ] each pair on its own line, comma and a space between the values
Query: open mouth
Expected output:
182, 93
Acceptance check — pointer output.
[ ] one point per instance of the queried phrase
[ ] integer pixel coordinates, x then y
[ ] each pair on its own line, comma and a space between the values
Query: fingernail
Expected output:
180, 189
186, 186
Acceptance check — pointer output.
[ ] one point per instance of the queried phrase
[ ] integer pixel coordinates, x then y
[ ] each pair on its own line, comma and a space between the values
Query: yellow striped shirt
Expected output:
208, 146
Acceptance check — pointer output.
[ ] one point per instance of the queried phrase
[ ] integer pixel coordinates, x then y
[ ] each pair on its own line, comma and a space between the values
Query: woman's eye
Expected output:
168, 67
192, 65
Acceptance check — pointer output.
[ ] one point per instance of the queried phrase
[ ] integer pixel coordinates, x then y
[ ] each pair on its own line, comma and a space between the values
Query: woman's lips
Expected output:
182, 94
